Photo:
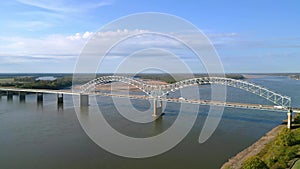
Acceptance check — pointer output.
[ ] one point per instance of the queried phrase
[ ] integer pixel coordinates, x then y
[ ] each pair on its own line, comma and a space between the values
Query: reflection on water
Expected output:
40, 105
48, 135
60, 107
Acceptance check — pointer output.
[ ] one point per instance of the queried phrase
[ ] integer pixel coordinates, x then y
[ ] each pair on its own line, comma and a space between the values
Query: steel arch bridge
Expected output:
157, 91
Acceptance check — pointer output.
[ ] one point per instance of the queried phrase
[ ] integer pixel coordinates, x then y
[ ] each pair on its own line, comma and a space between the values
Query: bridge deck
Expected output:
145, 97
69, 92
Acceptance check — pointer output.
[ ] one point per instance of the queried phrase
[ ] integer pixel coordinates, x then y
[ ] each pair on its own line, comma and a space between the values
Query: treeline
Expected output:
32, 83
59, 83
235, 76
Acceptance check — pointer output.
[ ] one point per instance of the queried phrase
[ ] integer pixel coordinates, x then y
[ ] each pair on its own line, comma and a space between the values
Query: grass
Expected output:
296, 165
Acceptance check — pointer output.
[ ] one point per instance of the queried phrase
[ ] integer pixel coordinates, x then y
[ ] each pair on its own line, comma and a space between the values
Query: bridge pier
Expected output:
154, 108
10, 95
157, 111
289, 122
84, 100
22, 96
39, 97
60, 98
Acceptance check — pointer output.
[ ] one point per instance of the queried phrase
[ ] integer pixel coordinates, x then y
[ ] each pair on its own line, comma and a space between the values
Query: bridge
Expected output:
160, 92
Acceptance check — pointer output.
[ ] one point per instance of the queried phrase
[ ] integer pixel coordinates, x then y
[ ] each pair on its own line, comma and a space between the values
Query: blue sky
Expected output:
250, 36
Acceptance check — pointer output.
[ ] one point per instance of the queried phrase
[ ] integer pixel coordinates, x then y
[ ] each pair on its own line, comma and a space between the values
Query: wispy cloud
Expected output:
64, 5
58, 47
39, 15
69, 46
262, 44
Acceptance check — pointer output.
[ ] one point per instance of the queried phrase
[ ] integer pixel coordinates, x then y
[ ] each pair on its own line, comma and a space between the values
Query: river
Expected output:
43, 136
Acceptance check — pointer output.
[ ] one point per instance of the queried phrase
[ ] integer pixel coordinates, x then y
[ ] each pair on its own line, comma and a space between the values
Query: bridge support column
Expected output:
84, 100
10, 95
289, 122
22, 96
39, 97
60, 98
157, 111
154, 108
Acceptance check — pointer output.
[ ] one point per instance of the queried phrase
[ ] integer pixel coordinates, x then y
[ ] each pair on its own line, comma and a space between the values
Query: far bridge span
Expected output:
159, 92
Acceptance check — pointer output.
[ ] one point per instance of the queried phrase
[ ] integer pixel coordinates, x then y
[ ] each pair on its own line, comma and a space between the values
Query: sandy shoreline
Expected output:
249, 76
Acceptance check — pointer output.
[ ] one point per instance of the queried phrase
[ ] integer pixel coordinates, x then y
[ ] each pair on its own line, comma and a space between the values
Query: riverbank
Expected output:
237, 161
279, 148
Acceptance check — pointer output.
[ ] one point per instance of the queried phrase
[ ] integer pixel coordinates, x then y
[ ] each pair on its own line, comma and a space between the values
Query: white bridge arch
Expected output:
161, 90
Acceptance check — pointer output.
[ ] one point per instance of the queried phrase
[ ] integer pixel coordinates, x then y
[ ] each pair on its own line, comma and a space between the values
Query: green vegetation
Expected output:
254, 162
297, 119
235, 76
279, 153
296, 165
59, 83
285, 138
32, 83
281, 150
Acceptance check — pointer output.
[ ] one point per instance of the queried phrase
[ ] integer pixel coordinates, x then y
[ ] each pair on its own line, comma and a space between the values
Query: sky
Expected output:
47, 36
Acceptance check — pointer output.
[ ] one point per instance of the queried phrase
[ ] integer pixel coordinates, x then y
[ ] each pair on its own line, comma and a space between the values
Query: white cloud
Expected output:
80, 36
87, 35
